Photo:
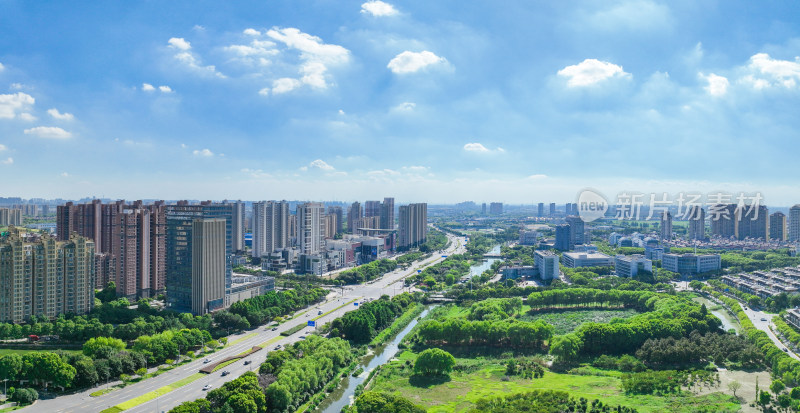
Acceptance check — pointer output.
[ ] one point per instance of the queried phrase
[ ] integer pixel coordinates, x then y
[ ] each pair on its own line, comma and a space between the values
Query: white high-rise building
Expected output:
794, 223
270, 227
666, 225
238, 226
413, 225
310, 230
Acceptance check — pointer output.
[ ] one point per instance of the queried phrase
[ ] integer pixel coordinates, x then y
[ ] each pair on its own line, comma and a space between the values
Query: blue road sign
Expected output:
312, 323
419, 271
355, 303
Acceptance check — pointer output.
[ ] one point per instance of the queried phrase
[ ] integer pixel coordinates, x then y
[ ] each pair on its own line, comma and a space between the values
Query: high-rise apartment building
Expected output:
666, 225
329, 223
697, 222
752, 222
353, 215
10, 216
270, 227
45, 277
208, 265
794, 223
777, 226
540, 210
337, 211
130, 243
310, 227
372, 208
496, 208
387, 213
552, 209
723, 220
413, 225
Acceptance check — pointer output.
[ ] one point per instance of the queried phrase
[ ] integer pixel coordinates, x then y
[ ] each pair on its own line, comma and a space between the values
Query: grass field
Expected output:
485, 377
567, 321
153, 394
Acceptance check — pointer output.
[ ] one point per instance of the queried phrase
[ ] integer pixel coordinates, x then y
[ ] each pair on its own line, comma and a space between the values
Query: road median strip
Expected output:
153, 394
341, 306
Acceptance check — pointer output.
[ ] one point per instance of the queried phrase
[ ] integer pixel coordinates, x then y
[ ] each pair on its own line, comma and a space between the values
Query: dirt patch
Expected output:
747, 393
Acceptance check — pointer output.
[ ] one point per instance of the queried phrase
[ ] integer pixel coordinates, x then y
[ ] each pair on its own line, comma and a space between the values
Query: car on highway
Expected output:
246, 362
319, 312
763, 319
302, 337
206, 387
274, 328
225, 373
278, 347
206, 361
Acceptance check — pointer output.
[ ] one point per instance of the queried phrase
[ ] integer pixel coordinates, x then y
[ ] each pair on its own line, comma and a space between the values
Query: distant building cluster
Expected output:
10, 216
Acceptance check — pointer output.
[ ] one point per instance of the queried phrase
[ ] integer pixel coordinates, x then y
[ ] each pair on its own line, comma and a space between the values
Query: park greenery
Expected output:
362, 325
545, 401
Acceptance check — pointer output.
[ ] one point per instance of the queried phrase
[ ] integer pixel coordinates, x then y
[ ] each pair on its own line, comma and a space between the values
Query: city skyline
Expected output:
429, 102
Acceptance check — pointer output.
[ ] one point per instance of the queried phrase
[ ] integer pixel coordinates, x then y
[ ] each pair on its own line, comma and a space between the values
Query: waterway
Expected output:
344, 393
484, 264
728, 321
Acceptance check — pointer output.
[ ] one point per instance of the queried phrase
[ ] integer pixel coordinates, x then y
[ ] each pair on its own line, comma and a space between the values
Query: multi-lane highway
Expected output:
390, 284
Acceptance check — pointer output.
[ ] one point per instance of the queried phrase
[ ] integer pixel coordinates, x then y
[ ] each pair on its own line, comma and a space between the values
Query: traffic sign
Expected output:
312, 323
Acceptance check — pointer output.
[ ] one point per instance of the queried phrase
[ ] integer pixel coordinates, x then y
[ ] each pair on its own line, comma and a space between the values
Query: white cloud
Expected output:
8, 161
27, 117
2, 67
717, 85
203, 152
10, 104
148, 87
378, 8
405, 107
475, 147
49, 132
179, 43
165, 89
591, 71
632, 15
252, 32
17, 86
65, 175
283, 85
3, 147
766, 71
256, 173
198, 28
320, 164
316, 57
60, 116
537, 176
409, 62
184, 55
480, 148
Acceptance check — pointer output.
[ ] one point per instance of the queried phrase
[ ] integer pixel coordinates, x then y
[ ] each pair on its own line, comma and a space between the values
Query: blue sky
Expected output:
439, 101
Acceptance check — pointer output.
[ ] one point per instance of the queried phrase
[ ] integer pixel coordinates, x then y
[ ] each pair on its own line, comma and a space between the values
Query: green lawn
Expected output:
567, 321
4, 351
484, 378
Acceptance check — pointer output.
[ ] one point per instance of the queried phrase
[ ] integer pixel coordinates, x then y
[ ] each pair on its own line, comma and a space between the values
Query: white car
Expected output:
206, 361
206, 387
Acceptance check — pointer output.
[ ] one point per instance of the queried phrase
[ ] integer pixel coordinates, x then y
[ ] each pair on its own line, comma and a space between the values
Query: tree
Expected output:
375, 402
11, 367
197, 406
24, 396
696, 285
434, 362
96, 345
734, 386
565, 347
777, 386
